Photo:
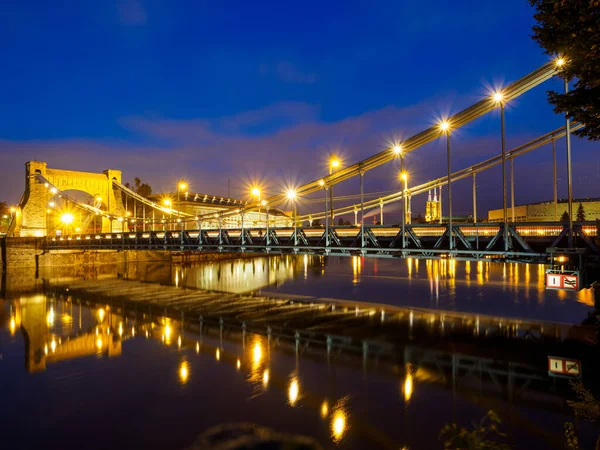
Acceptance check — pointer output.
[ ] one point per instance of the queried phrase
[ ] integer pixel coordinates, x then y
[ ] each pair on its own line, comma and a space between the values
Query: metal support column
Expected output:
267, 226
242, 234
450, 237
326, 220
402, 176
504, 201
440, 200
380, 212
512, 188
474, 197
295, 223
555, 180
362, 210
569, 174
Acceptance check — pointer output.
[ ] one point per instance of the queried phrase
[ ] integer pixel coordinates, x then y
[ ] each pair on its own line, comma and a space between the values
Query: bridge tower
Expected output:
31, 217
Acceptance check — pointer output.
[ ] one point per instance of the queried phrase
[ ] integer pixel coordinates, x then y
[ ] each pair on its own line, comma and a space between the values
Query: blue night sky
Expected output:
241, 90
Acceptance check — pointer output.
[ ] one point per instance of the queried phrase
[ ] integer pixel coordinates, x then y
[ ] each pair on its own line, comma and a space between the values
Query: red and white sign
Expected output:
568, 282
564, 367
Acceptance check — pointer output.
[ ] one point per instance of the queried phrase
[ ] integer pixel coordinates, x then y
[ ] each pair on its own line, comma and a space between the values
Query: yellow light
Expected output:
263, 202
498, 96
77, 230
179, 342
404, 176
397, 149
266, 378
444, 125
197, 347
256, 192
238, 364
338, 425
98, 199
120, 329
48, 211
321, 183
324, 409
167, 202
128, 213
408, 387
184, 372
101, 314
99, 343
182, 186
13, 209
53, 345
67, 218
53, 190
168, 331
334, 162
46, 349
50, 317
257, 353
560, 62
291, 194
133, 331
13, 325
293, 391
218, 355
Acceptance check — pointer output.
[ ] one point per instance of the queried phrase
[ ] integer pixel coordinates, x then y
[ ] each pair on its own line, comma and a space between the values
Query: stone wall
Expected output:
20, 253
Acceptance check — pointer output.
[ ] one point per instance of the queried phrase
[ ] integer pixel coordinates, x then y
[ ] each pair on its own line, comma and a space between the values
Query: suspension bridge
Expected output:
118, 218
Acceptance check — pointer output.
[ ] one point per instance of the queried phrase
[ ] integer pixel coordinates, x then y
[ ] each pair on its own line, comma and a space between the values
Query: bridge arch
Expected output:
31, 217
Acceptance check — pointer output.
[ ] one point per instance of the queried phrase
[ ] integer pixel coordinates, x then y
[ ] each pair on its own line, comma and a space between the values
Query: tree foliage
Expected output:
580, 213
144, 189
569, 28
585, 406
565, 217
456, 437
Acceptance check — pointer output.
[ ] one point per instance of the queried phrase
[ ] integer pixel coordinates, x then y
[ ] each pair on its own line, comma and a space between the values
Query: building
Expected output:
545, 211
203, 204
432, 208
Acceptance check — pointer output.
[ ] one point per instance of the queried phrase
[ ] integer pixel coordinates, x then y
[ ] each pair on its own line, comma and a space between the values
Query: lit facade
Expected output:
544, 211
202, 205
432, 208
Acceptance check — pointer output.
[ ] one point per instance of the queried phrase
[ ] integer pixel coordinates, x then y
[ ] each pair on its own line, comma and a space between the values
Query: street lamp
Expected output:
498, 98
404, 178
256, 193
168, 203
334, 163
67, 219
181, 186
445, 129
291, 195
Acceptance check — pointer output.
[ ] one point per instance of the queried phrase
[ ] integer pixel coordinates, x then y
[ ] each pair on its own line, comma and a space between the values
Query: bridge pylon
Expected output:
32, 218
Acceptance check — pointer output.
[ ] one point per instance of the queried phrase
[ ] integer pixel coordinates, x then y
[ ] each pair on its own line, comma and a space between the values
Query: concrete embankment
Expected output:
17, 253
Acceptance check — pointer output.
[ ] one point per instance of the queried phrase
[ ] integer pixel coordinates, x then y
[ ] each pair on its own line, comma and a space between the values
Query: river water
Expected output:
148, 388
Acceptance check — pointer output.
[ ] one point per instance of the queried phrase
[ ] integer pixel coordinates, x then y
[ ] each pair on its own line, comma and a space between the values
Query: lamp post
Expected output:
404, 177
168, 203
181, 186
324, 186
445, 128
256, 193
291, 195
498, 98
334, 163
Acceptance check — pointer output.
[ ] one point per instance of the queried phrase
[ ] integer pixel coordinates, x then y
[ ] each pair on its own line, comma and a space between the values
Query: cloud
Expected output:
209, 152
287, 72
132, 12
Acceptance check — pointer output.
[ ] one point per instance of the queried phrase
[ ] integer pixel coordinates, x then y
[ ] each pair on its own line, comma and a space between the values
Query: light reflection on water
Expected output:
293, 388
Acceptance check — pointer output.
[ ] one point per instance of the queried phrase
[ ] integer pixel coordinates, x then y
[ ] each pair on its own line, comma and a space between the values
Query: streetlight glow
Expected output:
404, 176
291, 194
397, 149
182, 186
67, 218
256, 192
13, 209
334, 162
498, 96
444, 125
98, 199
263, 202
321, 183
167, 202
560, 61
